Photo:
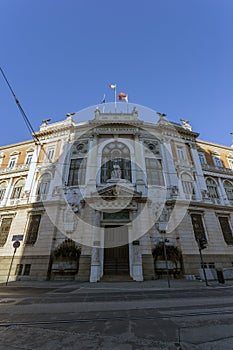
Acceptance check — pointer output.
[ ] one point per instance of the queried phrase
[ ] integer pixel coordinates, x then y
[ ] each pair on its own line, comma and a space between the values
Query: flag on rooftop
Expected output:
112, 86
123, 97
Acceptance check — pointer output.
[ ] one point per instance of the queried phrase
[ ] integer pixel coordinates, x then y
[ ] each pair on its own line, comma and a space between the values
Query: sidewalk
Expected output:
160, 284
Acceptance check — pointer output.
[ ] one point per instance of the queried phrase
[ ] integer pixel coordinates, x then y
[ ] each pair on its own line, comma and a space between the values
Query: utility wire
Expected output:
26, 120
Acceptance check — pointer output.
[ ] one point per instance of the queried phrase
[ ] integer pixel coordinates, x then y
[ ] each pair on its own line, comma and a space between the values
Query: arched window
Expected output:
18, 189
2, 190
5, 229
116, 163
187, 184
43, 186
32, 229
212, 188
228, 186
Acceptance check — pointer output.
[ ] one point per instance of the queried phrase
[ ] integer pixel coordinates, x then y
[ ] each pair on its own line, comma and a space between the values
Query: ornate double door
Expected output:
116, 251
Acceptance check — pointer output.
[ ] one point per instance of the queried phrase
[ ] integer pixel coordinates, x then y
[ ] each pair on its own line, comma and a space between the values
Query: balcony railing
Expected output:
14, 169
217, 169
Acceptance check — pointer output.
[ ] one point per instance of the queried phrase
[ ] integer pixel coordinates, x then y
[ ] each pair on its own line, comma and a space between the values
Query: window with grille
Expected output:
212, 188
32, 230
187, 184
228, 186
27, 269
154, 172
198, 227
4, 230
77, 172
226, 229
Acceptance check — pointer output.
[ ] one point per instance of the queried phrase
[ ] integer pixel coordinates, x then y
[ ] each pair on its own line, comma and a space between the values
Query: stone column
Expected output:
222, 193
6, 200
169, 168
135, 256
91, 166
32, 170
96, 270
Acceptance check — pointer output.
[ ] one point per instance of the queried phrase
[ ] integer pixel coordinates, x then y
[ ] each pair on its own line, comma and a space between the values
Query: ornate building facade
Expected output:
92, 199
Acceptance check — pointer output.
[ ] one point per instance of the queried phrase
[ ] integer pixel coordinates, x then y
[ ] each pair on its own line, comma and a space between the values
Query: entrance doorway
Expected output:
116, 251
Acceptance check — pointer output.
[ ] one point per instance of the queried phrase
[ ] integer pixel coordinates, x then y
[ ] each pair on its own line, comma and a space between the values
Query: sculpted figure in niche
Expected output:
116, 172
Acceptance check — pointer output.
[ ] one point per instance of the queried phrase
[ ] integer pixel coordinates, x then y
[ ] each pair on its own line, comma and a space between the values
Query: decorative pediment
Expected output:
14, 153
112, 192
30, 150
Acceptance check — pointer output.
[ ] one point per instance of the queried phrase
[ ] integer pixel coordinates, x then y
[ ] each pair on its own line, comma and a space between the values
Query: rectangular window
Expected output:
181, 153
27, 269
230, 163
12, 162
217, 161
77, 172
16, 193
50, 153
4, 230
2, 193
198, 227
202, 158
118, 216
19, 269
33, 228
211, 265
154, 172
188, 187
204, 265
29, 159
226, 229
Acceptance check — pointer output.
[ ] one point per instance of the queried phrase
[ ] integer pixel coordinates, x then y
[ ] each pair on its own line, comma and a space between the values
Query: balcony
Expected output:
217, 169
15, 169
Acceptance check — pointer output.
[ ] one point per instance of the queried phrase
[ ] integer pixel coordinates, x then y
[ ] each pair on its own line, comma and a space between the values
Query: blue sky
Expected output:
173, 56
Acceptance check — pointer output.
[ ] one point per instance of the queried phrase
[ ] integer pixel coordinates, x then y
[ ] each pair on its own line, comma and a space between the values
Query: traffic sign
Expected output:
16, 244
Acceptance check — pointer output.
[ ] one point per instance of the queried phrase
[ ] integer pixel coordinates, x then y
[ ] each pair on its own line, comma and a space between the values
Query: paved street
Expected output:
112, 315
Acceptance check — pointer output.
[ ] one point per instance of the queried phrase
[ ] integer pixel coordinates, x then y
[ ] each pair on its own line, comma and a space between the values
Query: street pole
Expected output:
203, 268
16, 245
10, 266
165, 256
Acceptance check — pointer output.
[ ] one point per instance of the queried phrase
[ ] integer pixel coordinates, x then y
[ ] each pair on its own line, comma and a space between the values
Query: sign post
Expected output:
16, 245
202, 244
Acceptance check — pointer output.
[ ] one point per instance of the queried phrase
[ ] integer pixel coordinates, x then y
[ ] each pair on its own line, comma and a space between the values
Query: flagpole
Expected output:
103, 101
127, 104
115, 98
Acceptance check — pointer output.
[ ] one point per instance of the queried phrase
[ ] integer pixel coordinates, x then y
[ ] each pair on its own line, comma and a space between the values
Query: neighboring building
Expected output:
91, 200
